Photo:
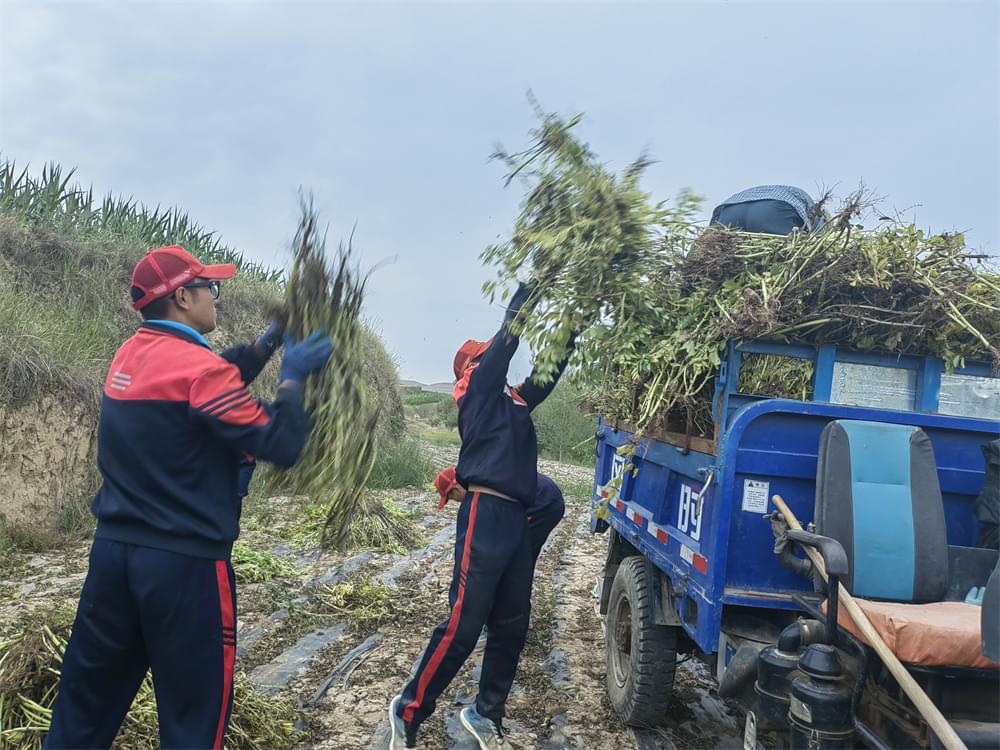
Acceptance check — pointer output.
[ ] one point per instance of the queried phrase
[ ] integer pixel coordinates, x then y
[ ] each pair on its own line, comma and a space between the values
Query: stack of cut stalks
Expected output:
31, 657
326, 295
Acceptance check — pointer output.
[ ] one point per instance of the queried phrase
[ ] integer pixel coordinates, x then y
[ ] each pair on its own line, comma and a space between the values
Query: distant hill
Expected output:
433, 387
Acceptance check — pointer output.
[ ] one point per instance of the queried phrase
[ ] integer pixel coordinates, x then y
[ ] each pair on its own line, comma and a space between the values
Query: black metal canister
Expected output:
775, 670
820, 710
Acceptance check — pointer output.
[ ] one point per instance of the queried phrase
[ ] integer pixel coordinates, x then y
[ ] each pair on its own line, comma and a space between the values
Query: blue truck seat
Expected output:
877, 493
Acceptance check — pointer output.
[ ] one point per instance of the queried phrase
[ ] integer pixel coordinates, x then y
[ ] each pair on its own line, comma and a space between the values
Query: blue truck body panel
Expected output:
700, 517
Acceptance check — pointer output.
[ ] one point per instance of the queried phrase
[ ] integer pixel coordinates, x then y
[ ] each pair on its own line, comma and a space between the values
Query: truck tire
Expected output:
641, 655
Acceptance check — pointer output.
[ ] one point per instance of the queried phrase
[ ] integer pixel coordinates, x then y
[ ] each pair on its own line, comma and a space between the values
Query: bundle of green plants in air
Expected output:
325, 294
665, 295
31, 654
584, 235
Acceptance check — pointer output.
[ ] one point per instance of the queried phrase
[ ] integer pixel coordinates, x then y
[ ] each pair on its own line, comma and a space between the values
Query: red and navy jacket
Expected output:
175, 419
499, 446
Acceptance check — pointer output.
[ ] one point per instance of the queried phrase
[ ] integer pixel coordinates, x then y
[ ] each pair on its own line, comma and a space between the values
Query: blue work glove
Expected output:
304, 357
975, 595
270, 340
521, 296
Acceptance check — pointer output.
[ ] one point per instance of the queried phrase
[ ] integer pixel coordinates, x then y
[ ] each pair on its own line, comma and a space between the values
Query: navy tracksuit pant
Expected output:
541, 521
144, 608
496, 546
491, 586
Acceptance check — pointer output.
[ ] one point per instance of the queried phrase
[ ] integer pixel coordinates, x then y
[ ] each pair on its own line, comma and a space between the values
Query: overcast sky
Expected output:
389, 112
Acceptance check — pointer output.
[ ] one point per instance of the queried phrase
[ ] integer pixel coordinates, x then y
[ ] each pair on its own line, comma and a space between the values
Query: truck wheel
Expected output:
641, 655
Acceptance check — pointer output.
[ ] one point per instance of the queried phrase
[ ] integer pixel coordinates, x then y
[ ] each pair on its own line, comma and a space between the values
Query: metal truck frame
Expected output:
690, 556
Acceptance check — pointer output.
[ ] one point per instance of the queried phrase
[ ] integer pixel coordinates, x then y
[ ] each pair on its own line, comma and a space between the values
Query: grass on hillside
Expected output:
53, 202
418, 398
449, 438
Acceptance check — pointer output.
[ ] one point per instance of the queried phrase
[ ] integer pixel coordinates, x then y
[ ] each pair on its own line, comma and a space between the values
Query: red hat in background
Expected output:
468, 353
445, 482
166, 269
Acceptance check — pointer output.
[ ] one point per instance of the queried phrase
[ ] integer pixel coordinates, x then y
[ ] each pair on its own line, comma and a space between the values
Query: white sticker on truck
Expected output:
687, 554
689, 512
755, 495
617, 465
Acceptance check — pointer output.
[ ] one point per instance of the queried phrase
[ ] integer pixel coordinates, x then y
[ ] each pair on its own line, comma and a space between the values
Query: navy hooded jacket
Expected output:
499, 446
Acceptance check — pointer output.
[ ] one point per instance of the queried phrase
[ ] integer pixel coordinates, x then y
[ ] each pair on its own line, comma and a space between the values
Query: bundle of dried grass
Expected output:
30, 659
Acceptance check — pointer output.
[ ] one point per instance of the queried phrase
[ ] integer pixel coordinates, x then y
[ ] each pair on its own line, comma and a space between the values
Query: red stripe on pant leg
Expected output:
456, 614
228, 651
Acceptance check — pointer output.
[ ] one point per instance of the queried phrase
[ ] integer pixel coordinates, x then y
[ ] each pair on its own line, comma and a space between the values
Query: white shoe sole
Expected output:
392, 725
470, 730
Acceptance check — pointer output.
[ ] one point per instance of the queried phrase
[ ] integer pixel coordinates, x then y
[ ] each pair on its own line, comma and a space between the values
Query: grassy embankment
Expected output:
65, 263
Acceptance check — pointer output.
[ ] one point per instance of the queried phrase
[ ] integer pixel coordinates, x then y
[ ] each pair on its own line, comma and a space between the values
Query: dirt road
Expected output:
558, 700
342, 675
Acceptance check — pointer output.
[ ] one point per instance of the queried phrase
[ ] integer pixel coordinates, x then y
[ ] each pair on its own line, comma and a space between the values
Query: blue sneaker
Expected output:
488, 733
402, 734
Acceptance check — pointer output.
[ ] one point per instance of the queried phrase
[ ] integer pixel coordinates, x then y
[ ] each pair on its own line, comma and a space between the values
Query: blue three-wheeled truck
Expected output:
888, 457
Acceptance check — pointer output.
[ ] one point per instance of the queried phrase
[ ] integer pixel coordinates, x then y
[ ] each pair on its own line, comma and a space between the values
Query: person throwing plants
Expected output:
491, 582
160, 593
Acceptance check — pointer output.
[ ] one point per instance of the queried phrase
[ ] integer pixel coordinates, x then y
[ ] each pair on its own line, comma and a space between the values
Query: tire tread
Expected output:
646, 696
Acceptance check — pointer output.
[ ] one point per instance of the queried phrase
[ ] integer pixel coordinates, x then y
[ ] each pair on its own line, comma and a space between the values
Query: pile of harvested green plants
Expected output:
366, 603
255, 566
326, 295
659, 296
379, 525
30, 659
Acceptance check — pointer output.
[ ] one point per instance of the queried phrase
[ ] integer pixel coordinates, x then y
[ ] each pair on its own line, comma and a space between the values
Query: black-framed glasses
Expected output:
213, 285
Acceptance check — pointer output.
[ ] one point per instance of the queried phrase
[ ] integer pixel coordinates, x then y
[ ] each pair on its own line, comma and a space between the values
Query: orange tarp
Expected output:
942, 634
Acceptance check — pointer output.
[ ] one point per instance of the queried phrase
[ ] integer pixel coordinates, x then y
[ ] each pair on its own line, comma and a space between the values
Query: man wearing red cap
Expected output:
491, 582
160, 593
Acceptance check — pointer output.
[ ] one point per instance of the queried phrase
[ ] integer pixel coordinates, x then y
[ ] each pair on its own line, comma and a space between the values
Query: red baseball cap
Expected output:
468, 353
166, 269
445, 482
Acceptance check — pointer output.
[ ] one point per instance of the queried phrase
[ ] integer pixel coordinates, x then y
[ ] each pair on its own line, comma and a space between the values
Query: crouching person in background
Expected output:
544, 513
160, 593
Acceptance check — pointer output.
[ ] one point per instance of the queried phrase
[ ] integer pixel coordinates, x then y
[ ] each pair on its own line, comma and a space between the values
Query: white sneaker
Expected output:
401, 734
488, 733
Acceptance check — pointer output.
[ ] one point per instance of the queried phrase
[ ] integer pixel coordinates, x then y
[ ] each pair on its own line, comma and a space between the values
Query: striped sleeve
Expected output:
220, 393
271, 432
